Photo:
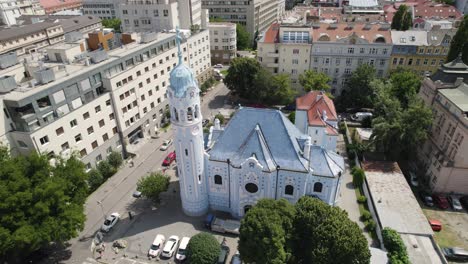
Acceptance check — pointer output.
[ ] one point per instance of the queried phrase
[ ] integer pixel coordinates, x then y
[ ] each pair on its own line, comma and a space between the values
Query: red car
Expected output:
441, 201
436, 225
169, 159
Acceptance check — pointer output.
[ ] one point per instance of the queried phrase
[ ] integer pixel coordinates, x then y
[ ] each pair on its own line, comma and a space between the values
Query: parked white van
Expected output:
181, 254
156, 247
359, 116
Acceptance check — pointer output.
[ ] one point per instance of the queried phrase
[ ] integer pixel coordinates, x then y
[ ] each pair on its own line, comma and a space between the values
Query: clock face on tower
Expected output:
194, 130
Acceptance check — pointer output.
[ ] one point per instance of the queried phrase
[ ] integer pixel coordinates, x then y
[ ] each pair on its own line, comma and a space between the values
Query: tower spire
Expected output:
178, 39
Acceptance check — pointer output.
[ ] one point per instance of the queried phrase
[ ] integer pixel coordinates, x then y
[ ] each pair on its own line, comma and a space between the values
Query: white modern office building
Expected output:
96, 102
10, 10
223, 42
104, 9
159, 15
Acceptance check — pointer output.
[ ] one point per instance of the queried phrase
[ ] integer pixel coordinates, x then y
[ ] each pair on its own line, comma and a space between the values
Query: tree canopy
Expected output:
274, 231
312, 80
402, 20
112, 23
243, 38
358, 91
203, 248
459, 44
247, 78
405, 85
40, 204
153, 185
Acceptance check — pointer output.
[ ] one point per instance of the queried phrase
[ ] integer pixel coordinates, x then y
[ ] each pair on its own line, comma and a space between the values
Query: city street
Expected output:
115, 195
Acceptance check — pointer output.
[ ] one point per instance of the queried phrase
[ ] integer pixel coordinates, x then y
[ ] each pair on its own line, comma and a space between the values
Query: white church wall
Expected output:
328, 188
218, 194
317, 135
296, 179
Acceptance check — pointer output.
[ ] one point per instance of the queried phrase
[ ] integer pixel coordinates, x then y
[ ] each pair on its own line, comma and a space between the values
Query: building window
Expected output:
218, 179
94, 144
78, 138
97, 109
86, 115
44, 140
318, 187
295, 51
186, 152
101, 123
111, 116
99, 158
90, 130
105, 137
22, 144
59, 131
289, 190
73, 123
83, 152
251, 187
108, 102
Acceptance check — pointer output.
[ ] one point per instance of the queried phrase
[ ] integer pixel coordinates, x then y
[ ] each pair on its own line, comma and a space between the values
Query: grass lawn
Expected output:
224, 72
448, 236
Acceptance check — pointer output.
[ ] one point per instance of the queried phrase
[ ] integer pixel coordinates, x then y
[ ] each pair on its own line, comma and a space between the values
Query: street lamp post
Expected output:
102, 209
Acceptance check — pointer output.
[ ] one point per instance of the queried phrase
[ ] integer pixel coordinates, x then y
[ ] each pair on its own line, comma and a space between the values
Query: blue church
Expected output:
259, 154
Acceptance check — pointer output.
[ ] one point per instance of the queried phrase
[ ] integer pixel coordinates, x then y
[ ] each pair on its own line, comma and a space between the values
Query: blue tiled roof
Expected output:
325, 163
265, 133
181, 78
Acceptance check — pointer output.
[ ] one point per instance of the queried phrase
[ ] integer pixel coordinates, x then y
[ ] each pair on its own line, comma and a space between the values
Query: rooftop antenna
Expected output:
178, 38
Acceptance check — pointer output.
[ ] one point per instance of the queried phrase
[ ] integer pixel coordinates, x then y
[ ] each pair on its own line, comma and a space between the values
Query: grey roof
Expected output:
449, 72
325, 163
435, 37
458, 96
363, 3
27, 27
265, 133
409, 37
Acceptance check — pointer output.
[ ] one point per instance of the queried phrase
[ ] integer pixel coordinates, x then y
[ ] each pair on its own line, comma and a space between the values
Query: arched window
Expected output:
380, 40
189, 114
186, 152
318, 187
289, 190
218, 179
176, 114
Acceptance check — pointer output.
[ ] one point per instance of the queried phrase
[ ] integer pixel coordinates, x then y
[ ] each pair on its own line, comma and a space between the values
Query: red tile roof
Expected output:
316, 102
58, 5
424, 9
343, 30
272, 34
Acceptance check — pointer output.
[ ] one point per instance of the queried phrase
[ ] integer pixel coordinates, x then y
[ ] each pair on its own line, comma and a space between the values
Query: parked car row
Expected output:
445, 202
167, 249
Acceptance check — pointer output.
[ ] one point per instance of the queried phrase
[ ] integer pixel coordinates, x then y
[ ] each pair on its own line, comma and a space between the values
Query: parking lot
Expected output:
166, 219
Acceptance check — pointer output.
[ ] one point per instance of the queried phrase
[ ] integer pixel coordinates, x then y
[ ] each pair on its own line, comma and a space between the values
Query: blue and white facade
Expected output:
259, 154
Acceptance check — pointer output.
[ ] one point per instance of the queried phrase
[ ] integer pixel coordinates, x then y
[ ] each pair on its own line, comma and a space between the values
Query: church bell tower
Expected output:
186, 119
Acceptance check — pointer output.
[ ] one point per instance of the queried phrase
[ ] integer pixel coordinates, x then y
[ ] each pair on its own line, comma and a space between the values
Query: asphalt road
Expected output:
115, 195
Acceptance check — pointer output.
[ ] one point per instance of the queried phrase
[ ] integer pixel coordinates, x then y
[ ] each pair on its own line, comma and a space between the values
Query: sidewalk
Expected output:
348, 200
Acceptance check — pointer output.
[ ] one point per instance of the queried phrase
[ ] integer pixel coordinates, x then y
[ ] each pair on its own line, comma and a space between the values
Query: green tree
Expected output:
106, 169
274, 231
459, 45
330, 239
265, 231
95, 179
221, 118
203, 248
281, 93
312, 80
242, 75
359, 92
153, 185
112, 23
405, 85
402, 20
216, 19
40, 204
243, 38
115, 159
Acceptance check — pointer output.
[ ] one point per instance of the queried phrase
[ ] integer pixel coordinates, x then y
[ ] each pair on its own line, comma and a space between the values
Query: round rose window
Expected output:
251, 187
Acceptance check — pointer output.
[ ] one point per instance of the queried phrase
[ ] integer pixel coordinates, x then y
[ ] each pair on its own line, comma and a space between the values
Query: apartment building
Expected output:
421, 51
52, 6
255, 15
10, 10
286, 49
96, 103
223, 42
37, 32
334, 49
159, 15
423, 10
104, 9
444, 154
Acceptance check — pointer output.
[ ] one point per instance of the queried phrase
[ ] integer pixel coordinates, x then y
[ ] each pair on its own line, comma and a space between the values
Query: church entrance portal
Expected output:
247, 208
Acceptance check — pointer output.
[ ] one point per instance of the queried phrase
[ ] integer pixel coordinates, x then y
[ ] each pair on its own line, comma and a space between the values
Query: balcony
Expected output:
273, 54
273, 65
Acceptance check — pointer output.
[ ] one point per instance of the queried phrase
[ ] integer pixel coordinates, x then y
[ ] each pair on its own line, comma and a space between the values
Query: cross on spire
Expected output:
178, 39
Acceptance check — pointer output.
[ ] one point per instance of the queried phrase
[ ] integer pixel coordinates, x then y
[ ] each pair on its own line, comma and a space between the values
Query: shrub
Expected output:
366, 215
203, 248
105, 169
153, 185
115, 159
95, 179
396, 248
370, 225
367, 122
358, 177
292, 117
362, 199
